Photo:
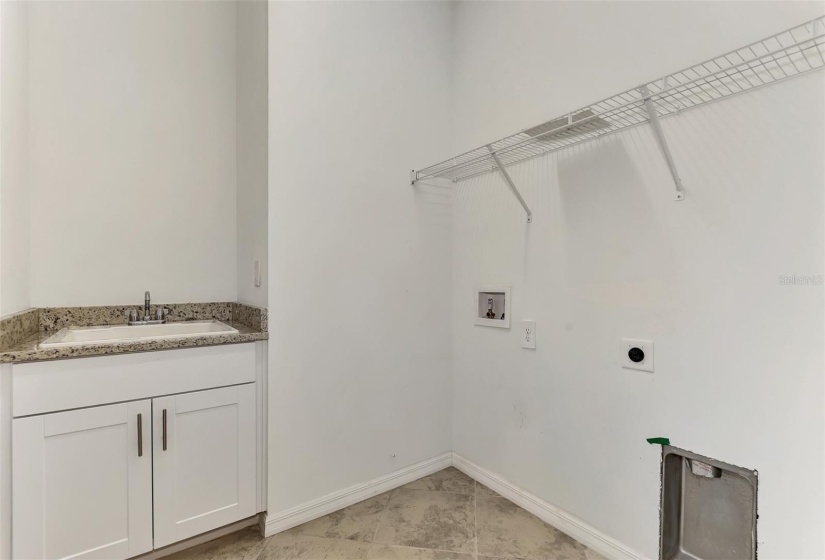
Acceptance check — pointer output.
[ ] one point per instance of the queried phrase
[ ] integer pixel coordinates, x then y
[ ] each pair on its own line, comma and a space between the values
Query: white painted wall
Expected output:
132, 146
251, 137
14, 159
359, 352
609, 254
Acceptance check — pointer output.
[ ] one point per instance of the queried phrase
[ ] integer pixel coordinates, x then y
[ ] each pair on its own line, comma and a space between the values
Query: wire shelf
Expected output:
776, 58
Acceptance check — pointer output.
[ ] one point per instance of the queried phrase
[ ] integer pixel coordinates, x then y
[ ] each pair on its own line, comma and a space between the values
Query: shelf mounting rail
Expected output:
788, 54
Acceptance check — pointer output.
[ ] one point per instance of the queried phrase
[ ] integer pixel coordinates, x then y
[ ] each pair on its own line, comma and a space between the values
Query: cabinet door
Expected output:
204, 461
83, 483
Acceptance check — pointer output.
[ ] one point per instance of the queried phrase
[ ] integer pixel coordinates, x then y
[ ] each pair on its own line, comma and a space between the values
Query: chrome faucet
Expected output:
146, 319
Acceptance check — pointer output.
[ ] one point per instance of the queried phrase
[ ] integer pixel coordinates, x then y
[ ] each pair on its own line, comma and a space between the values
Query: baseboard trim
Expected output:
557, 517
281, 521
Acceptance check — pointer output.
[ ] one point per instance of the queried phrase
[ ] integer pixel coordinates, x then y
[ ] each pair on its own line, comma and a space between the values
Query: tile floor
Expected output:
444, 516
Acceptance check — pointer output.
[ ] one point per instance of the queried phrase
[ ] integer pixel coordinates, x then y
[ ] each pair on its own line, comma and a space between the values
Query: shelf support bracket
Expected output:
511, 184
660, 137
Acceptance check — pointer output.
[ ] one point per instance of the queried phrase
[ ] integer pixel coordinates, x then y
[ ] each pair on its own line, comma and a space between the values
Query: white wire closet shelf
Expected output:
776, 58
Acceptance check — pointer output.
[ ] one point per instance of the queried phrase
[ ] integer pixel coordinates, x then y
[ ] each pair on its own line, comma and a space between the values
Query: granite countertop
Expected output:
22, 333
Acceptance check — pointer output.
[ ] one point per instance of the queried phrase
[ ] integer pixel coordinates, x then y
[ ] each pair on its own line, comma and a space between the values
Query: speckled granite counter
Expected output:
22, 333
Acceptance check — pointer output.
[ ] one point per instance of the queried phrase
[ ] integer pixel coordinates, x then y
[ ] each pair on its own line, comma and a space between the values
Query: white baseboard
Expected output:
557, 517
281, 521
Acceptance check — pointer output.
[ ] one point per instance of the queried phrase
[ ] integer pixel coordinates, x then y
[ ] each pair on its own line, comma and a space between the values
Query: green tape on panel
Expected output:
658, 440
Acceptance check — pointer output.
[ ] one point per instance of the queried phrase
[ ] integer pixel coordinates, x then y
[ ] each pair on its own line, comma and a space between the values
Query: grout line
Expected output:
383, 515
381, 544
475, 517
422, 548
439, 491
267, 542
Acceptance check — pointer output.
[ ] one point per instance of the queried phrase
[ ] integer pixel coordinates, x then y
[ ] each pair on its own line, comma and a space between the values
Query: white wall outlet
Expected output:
637, 354
528, 334
256, 273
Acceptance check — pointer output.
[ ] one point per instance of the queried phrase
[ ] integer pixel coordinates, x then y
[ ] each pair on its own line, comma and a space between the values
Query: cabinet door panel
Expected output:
206, 477
80, 489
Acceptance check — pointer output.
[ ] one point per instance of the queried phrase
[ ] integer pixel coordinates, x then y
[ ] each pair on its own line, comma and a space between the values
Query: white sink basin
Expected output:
74, 336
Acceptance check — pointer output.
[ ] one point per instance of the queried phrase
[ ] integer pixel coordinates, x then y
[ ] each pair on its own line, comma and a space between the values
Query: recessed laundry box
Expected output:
493, 305
708, 508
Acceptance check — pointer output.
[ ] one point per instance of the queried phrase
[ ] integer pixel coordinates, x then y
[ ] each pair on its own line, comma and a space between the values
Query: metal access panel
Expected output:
708, 508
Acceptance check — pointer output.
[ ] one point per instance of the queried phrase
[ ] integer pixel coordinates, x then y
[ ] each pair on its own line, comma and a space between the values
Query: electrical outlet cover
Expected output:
637, 354
528, 334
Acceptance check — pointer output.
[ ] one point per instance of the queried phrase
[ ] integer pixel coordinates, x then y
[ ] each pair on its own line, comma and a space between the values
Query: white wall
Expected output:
609, 254
132, 129
252, 126
359, 352
14, 159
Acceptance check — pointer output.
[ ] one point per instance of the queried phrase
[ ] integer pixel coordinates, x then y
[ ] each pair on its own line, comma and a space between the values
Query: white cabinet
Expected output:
204, 458
84, 480
83, 483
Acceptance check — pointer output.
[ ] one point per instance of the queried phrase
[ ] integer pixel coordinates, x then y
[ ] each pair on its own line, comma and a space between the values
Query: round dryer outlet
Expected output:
637, 354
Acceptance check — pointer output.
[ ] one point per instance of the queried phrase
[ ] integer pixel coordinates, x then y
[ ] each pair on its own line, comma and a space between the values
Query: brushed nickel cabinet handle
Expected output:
164, 429
140, 435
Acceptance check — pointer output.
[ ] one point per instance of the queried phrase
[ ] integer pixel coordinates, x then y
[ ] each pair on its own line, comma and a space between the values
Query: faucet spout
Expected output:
146, 319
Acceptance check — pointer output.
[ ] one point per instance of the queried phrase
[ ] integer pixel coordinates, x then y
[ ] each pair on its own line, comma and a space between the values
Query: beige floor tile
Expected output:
245, 544
434, 524
286, 546
593, 555
387, 552
425, 519
484, 492
448, 480
357, 522
506, 530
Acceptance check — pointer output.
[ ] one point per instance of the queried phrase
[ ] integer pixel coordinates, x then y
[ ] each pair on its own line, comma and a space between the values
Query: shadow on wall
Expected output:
615, 246
433, 202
